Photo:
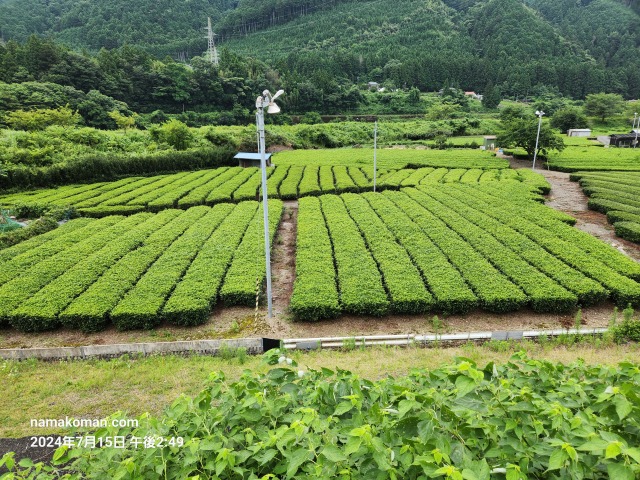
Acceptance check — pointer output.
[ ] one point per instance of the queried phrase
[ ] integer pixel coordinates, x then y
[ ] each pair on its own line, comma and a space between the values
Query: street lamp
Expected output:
266, 100
635, 129
539, 113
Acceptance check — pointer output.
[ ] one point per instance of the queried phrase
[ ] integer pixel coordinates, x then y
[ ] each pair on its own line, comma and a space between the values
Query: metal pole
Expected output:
265, 205
535, 152
635, 144
375, 149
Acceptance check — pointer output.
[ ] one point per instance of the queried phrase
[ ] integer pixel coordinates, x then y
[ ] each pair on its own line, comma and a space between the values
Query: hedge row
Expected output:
326, 179
360, 176
472, 176
359, 281
310, 183
29, 281
106, 210
344, 182
401, 278
450, 291
169, 196
224, 191
587, 290
585, 257
33, 243
453, 175
494, 290
545, 295
274, 181
616, 216
315, 293
154, 186
198, 195
289, 187
40, 311
107, 195
434, 177
141, 306
416, 176
102, 166
177, 182
191, 301
248, 265
23, 260
89, 312
249, 189
628, 230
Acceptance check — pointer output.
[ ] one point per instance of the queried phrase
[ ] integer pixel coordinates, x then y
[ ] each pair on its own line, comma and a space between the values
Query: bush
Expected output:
100, 166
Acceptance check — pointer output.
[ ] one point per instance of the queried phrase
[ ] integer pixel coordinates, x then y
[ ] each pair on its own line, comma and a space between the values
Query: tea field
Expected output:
592, 158
136, 271
394, 158
235, 184
616, 194
449, 248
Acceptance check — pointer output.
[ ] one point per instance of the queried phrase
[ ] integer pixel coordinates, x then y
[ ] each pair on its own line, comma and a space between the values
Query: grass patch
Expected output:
98, 388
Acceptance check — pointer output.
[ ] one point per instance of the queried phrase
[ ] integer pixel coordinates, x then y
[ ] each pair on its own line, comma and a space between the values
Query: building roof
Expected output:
251, 156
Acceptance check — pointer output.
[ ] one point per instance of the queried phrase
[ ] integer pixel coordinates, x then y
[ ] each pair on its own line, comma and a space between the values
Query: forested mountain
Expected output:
574, 47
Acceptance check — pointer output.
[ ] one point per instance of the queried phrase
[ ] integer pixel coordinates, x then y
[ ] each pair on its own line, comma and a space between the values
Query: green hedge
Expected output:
30, 281
400, 276
315, 292
141, 306
629, 231
587, 290
359, 281
191, 301
102, 166
40, 311
494, 290
89, 311
545, 295
248, 265
450, 291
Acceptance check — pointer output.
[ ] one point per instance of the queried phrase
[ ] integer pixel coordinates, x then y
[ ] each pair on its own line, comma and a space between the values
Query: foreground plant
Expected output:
527, 419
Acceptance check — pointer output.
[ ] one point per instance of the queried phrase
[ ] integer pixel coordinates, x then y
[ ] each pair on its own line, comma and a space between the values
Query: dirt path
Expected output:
567, 197
284, 258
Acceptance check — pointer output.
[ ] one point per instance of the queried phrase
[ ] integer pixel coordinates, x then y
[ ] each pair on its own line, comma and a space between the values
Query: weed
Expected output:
349, 344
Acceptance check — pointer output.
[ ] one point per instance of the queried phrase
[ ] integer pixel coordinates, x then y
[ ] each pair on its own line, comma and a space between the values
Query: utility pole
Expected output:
375, 150
212, 52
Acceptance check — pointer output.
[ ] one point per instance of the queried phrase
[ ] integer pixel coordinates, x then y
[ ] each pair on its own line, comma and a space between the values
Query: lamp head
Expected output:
273, 108
539, 113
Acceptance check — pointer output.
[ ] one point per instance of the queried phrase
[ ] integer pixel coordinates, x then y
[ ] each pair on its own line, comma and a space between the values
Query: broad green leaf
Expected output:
618, 471
594, 445
557, 459
613, 450
464, 385
623, 406
333, 453
295, 460
633, 453
343, 407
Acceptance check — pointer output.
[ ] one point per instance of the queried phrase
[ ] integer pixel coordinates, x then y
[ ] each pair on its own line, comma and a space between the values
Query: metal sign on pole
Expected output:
375, 150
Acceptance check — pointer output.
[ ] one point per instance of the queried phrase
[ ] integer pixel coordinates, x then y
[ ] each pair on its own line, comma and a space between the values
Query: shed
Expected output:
251, 159
623, 139
490, 142
579, 132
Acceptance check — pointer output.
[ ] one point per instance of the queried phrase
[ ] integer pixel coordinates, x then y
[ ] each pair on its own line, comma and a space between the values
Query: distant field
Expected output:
393, 158
574, 159
617, 194
235, 184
